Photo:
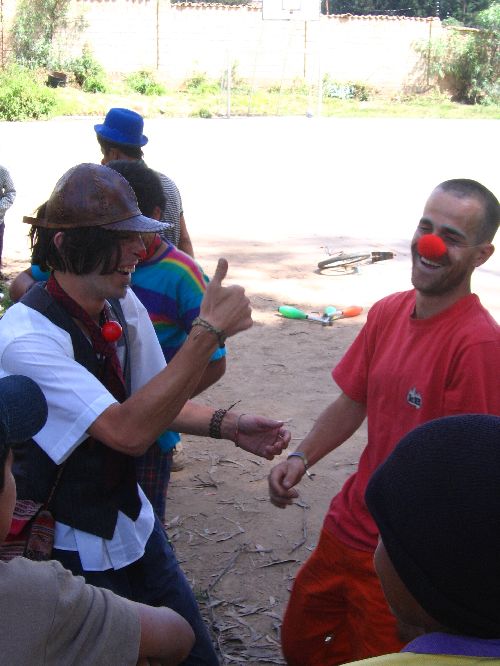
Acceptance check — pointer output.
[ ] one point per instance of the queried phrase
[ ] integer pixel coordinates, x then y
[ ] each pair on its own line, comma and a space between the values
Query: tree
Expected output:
469, 61
462, 10
36, 23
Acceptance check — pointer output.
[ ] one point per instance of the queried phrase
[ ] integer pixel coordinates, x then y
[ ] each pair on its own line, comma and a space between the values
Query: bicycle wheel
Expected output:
342, 261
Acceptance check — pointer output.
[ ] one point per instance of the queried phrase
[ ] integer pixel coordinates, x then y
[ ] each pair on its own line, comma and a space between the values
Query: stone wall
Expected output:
182, 39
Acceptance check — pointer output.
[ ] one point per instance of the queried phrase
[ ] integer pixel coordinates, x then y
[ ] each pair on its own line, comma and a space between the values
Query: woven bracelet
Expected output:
221, 336
214, 429
215, 423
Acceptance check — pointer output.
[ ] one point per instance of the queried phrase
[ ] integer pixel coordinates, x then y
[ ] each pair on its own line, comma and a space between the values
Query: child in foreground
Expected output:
436, 502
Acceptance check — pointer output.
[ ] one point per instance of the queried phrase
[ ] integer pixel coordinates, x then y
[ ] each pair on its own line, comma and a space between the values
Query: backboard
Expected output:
291, 10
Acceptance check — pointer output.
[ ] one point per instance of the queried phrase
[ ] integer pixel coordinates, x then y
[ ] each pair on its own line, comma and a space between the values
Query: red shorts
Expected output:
337, 611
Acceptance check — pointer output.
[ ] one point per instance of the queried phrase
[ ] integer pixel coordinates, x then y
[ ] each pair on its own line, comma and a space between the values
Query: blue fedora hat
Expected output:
122, 126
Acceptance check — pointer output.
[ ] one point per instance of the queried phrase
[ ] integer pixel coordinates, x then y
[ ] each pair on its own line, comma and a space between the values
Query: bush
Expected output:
95, 84
237, 83
202, 113
347, 90
88, 72
23, 97
199, 83
274, 88
299, 87
468, 62
144, 83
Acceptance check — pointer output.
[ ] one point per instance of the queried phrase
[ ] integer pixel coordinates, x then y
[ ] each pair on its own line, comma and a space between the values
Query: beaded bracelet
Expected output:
221, 336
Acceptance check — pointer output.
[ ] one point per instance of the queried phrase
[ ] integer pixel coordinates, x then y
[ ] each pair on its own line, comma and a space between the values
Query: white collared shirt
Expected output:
32, 345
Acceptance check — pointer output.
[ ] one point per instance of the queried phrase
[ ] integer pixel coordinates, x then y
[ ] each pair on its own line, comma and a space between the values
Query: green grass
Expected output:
207, 99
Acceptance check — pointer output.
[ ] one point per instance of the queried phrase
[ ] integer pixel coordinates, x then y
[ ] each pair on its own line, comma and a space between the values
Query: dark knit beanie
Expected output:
436, 502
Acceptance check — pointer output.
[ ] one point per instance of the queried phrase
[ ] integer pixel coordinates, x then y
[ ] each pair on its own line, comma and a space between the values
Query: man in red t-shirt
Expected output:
430, 352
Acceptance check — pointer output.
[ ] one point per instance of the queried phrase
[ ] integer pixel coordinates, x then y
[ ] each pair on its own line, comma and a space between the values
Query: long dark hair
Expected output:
82, 250
145, 183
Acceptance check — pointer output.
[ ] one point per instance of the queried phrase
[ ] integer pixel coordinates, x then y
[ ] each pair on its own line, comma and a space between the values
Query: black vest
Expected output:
97, 481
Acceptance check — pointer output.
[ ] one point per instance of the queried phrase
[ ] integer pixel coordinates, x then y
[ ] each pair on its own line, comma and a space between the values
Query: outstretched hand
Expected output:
282, 479
262, 436
226, 308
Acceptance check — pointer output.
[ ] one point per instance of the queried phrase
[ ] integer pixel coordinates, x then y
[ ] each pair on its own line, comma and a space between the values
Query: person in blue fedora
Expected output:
122, 126
121, 137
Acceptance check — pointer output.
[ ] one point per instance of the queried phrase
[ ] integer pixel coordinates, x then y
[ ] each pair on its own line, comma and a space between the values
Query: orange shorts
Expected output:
337, 611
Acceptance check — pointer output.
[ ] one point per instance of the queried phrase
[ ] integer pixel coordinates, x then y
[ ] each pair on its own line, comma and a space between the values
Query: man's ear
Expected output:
484, 253
110, 155
156, 214
58, 239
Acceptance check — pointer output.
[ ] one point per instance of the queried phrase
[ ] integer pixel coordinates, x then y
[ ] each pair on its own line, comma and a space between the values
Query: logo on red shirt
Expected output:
414, 398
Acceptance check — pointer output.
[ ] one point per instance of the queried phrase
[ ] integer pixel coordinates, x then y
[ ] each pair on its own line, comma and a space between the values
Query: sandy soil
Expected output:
270, 196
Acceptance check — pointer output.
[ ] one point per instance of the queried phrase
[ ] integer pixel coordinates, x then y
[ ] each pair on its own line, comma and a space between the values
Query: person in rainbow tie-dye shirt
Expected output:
170, 284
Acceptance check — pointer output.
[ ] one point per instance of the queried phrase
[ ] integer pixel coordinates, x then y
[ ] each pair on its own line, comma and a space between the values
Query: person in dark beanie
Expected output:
436, 503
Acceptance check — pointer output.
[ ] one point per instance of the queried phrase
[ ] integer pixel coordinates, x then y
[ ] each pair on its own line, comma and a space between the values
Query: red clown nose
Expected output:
431, 246
111, 331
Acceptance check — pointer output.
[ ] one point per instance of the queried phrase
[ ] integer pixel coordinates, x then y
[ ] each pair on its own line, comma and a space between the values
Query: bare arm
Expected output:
184, 239
334, 426
163, 404
213, 372
166, 637
259, 435
20, 285
132, 426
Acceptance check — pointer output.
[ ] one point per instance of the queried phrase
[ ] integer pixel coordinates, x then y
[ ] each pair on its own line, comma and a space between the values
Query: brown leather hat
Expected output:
92, 195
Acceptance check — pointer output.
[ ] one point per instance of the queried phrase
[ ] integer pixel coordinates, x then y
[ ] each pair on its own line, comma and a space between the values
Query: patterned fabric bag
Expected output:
31, 533
32, 529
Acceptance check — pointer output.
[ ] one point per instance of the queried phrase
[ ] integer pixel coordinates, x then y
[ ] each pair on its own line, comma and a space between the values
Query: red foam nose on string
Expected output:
431, 246
111, 331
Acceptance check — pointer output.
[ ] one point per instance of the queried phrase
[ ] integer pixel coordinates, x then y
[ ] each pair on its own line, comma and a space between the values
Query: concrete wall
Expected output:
179, 40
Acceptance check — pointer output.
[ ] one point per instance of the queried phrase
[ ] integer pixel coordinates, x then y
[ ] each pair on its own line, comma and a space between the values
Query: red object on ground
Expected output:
111, 331
431, 246
352, 311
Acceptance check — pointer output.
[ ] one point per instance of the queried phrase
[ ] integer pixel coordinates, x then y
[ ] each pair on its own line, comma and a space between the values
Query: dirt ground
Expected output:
239, 552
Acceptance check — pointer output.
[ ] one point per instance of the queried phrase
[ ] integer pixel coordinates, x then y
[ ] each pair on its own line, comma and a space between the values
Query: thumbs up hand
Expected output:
226, 308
